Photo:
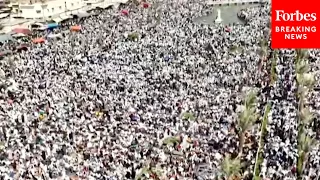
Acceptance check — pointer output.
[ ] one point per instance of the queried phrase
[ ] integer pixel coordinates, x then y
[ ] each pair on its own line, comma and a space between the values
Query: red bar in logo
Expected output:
295, 24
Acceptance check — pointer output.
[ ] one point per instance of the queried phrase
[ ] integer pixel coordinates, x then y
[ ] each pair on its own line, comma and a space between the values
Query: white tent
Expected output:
55, 36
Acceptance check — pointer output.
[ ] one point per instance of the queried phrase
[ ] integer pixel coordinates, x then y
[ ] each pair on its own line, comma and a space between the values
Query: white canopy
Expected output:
53, 36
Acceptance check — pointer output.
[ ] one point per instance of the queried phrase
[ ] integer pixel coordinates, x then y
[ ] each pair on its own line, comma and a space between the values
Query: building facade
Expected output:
57, 8
4, 8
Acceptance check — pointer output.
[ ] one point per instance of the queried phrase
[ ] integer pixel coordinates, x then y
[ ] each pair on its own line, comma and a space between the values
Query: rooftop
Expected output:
25, 1
16, 2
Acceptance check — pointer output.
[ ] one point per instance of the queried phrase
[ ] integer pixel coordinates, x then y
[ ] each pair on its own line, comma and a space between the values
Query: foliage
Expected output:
263, 43
303, 76
263, 48
148, 171
133, 36
233, 48
188, 116
247, 117
231, 167
273, 71
250, 100
306, 116
301, 54
144, 172
263, 134
249, 114
171, 141
156, 171
302, 66
273, 67
305, 144
305, 81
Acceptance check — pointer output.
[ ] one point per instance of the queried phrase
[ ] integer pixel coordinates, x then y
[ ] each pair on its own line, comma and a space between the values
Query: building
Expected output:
4, 9
23, 13
56, 9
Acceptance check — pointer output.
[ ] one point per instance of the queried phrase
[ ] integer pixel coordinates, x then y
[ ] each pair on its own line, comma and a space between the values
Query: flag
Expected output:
10, 101
135, 117
41, 117
12, 174
99, 114
134, 146
85, 171
41, 112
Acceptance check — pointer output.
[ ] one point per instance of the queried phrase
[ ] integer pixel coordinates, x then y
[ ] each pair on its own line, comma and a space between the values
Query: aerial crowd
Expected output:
147, 94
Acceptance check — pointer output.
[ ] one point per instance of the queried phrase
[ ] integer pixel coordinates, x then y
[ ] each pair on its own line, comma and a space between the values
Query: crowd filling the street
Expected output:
142, 91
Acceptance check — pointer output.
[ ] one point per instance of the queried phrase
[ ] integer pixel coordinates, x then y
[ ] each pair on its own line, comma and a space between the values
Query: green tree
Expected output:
305, 82
263, 51
169, 141
273, 67
147, 171
133, 36
263, 134
247, 118
305, 144
188, 116
231, 167
306, 116
301, 54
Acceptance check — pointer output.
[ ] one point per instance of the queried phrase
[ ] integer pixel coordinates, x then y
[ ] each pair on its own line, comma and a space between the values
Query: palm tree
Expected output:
157, 172
169, 141
273, 66
233, 48
250, 100
305, 144
301, 66
305, 82
247, 118
263, 134
188, 116
147, 171
304, 79
231, 167
133, 36
263, 51
306, 116
301, 54
143, 172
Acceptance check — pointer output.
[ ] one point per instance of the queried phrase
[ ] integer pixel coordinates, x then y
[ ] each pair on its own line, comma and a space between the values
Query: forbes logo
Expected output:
281, 15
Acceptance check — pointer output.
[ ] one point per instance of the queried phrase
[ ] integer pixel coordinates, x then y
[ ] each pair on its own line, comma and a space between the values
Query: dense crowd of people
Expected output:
98, 104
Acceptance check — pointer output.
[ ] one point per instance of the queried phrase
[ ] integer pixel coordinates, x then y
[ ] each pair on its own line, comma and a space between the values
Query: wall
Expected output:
48, 9
54, 8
